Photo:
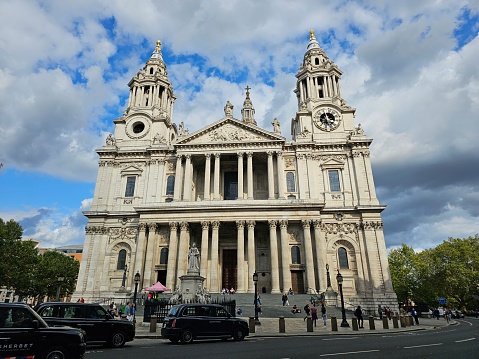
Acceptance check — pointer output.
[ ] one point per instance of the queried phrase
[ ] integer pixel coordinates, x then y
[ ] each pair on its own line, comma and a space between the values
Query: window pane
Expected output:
343, 258
130, 186
290, 187
164, 256
334, 181
121, 260
295, 255
170, 185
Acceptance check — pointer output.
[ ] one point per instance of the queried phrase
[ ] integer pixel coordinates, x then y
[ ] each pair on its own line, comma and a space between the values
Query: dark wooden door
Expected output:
297, 281
229, 279
231, 185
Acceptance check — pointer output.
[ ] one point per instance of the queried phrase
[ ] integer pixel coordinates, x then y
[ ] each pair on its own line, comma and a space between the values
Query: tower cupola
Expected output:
247, 112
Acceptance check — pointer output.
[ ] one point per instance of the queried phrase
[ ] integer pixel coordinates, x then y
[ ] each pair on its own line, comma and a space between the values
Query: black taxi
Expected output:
187, 322
23, 333
99, 325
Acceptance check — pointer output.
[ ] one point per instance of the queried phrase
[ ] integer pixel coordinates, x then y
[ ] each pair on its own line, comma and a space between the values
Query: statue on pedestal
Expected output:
194, 258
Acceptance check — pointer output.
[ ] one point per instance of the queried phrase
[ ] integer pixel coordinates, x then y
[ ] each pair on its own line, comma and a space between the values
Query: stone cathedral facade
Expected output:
245, 196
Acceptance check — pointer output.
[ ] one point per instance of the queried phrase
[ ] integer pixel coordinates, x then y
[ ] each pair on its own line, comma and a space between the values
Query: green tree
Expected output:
402, 264
52, 264
18, 258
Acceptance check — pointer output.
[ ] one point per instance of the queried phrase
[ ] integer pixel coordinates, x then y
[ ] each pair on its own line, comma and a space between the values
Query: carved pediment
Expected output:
229, 131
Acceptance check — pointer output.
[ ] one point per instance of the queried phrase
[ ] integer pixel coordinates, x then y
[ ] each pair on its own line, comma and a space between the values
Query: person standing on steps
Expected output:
314, 314
307, 309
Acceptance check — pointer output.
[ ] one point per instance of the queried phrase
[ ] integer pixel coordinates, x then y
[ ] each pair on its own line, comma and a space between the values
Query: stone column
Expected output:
140, 249
285, 255
214, 280
204, 248
250, 174
302, 176
146, 277
160, 190
172, 255
281, 176
84, 265
251, 255
270, 176
308, 249
177, 192
311, 177
207, 189
320, 241
240, 175
187, 185
240, 257
183, 248
216, 185
273, 243
370, 178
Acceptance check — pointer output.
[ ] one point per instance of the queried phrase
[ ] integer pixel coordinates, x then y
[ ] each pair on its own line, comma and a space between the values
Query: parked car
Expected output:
457, 314
100, 326
187, 322
24, 334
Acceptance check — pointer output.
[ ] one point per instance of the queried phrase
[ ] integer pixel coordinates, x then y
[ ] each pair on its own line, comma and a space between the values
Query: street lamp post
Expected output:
255, 280
60, 280
137, 280
339, 278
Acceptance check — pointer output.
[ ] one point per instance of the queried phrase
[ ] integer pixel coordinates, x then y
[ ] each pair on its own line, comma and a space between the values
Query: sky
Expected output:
410, 68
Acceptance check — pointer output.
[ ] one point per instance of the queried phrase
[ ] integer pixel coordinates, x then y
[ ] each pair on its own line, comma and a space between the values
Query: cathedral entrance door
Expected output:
229, 279
231, 185
297, 281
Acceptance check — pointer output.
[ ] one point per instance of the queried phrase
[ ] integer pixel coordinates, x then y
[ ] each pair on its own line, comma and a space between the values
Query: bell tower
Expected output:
322, 112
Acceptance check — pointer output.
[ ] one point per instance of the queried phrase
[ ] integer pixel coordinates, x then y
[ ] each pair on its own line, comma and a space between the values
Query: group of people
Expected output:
226, 291
125, 312
313, 311
385, 311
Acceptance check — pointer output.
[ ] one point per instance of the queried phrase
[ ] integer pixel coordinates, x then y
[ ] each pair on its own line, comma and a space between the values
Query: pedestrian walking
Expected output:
127, 312
323, 314
380, 312
307, 310
359, 314
314, 314
414, 315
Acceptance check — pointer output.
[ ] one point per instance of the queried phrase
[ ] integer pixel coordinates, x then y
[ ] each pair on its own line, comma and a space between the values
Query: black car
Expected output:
23, 333
200, 321
100, 327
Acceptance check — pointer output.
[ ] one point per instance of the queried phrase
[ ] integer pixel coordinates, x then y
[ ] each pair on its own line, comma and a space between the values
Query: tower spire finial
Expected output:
158, 46
311, 35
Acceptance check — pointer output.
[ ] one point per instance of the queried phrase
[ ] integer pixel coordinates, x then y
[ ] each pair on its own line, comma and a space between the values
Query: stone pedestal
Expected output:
191, 285
331, 297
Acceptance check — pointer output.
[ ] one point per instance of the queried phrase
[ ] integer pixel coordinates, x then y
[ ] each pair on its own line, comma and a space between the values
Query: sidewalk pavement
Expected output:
297, 327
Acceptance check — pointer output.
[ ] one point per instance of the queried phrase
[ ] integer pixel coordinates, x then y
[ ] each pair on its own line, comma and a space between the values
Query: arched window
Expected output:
170, 185
151, 71
316, 61
290, 186
121, 260
343, 258
295, 255
164, 256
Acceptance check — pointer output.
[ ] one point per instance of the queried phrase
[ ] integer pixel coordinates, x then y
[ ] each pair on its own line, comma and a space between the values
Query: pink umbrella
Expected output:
157, 287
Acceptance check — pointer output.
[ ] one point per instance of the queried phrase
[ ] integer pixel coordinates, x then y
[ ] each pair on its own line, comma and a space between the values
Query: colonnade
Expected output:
184, 176
310, 87
279, 248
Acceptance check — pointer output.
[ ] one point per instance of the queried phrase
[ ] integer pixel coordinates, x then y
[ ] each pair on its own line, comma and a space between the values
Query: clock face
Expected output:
327, 119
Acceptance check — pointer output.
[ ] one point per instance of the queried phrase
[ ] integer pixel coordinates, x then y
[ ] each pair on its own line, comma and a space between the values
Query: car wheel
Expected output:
238, 334
186, 336
56, 353
174, 340
117, 340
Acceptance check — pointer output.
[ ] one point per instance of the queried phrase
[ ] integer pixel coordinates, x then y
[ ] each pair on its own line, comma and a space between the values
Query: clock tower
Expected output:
322, 112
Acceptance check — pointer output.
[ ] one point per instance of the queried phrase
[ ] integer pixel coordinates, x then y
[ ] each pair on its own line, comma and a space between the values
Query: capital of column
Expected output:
152, 227
270, 153
215, 224
217, 155
317, 223
240, 224
306, 223
279, 154
249, 154
188, 156
184, 226
272, 224
208, 156
240, 154
251, 224
173, 226
205, 225
283, 223
142, 227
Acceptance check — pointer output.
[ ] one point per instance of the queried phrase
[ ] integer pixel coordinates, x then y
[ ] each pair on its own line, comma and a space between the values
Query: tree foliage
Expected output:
450, 270
30, 273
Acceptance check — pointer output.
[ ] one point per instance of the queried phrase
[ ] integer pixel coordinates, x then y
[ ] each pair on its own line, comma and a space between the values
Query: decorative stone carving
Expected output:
110, 140
276, 126
194, 258
228, 109
123, 233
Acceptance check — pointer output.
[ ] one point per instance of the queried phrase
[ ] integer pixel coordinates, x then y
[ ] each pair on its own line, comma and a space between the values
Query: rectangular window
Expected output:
334, 181
130, 186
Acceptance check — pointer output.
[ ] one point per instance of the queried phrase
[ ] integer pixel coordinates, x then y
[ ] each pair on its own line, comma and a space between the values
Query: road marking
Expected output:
465, 340
421, 346
347, 353
347, 338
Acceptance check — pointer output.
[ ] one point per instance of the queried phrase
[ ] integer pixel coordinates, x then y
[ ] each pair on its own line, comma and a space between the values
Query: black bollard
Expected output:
395, 321
282, 325
334, 324
385, 323
309, 324
355, 323
371, 323
252, 327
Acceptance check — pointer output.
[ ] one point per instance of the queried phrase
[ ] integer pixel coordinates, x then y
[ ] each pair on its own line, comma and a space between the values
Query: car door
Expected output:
99, 325
18, 339
223, 324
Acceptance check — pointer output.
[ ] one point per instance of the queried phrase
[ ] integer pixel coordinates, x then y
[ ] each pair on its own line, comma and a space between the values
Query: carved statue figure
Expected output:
194, 258
110, 140
228, 109
182, 128
276, 126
